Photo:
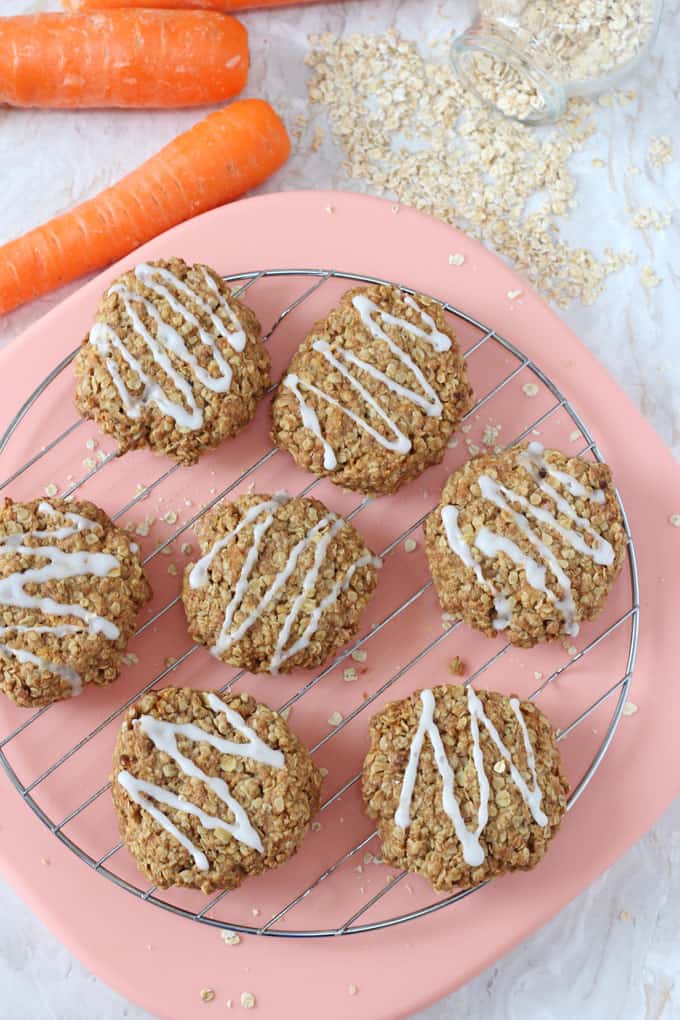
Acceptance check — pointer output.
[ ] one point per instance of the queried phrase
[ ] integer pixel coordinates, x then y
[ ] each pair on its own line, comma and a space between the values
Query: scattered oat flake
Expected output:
514, 294
368, 857
473, 449
51, 489
348, 675
675, 520
247, 1000
574, 436
89, 463
660, 150
410, 545
170, 517
231, 938
648, 277
499, 767
624, 915
166, 550
207, 994
91, 444
572, 650
186, 548
490, 435
456, 259
395, 209
598, 162
142, 529
129, 659
316, 826
323, 770
330, 209
170, 661
229, 1003
352, 989
530, 389
334, 719
538, 675
172, 569
188, 502
45, 861
630, 708
359, 655
452, 443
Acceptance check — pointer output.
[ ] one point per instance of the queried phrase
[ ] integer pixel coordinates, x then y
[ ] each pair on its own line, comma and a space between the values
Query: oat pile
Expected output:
408, 128
576, 41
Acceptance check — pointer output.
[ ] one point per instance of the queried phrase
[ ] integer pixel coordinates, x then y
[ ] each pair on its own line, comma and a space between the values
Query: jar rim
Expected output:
551, 92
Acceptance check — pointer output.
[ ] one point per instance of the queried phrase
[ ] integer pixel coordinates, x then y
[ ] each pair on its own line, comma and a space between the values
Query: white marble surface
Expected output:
614, 954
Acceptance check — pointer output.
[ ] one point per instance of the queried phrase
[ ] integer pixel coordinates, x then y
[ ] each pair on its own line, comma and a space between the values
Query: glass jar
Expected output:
526, 57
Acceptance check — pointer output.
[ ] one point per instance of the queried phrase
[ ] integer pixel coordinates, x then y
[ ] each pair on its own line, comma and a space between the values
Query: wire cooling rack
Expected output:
64, 805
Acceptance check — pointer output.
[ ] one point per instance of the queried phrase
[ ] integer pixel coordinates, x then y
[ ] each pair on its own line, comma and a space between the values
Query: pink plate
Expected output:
61, 759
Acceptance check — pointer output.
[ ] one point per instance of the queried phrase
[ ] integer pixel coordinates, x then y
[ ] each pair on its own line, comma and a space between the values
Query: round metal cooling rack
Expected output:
615, 694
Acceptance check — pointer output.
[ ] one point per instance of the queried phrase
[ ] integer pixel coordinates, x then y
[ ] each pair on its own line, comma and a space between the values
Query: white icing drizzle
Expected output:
473, 851
261, 516
61, 565
164, 736
374, 318
188, 415
490, 544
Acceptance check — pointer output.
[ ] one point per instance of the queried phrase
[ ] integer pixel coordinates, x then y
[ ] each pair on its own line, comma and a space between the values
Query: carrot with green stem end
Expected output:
122, 58
217, 160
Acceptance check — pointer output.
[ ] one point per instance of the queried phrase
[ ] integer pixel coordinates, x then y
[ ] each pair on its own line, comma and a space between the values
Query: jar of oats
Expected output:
526, 57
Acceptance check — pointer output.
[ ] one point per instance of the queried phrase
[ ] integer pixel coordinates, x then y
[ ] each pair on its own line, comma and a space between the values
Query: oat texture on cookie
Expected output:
71, 586
210, 788
374, 392
281, 584
173, 361
526, 543
464, 785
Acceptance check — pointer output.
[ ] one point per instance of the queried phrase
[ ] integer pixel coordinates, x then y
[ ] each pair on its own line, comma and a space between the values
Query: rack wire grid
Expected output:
298, 889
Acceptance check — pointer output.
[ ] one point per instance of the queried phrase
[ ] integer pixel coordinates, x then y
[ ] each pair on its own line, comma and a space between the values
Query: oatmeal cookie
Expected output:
375, 391
71, 586
174, 361
463, 785
210, 789
281, 585
526, 542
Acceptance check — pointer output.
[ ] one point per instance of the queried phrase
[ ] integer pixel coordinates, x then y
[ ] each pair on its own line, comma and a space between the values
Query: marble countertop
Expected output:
613, 953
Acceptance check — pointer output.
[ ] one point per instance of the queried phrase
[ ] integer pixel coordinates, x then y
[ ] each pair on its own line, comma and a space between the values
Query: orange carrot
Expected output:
177, 5
217, 160
121, 58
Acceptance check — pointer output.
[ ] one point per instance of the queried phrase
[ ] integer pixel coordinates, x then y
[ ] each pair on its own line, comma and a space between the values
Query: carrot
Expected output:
217, 160
121, 58
177, 5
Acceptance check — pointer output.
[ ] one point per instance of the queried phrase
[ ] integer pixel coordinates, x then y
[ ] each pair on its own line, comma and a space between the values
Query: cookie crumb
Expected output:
335, 719
499, 767
51, 489
352, 989
255, 912
574, 436
170, 661
330, 209
457, 667
348, 675
660, 150
186, 548
45, 861
229, 1003
231, 938
91, 444
514, 294
624, 915
675, 520
207, 994
538, 675
530, 389
630, 708
410, 545
172, 569
456, 259
170, 517
316, 826
359, 655
572, 650
323, 770
247, 1000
